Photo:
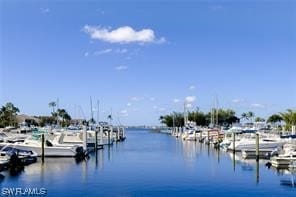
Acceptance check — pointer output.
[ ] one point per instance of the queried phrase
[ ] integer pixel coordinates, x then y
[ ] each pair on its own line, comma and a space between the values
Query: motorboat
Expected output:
249, 142
50, 150
287, 158
24, 156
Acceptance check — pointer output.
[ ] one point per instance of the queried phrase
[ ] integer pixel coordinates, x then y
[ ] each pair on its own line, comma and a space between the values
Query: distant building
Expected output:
26, 119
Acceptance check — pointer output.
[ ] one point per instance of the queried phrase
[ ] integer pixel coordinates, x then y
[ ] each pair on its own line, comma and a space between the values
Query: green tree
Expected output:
259, 119
244, 116
251, 115
52, 105
289, 117
275, 118
8, 114
63, 114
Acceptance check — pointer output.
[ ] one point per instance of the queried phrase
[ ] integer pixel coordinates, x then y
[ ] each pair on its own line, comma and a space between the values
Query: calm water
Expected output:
153, 164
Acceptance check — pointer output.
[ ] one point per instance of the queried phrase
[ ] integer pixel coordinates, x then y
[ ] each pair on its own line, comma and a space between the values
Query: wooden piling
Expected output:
96, 142
257, 146
101, 135
117, 134
233, 142
208, 137
109, 136
42, 147
84, 138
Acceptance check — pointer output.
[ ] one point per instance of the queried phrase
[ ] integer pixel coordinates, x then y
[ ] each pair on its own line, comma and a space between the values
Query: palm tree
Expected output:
275, 119
250, 115
8, 115
62, 113
289, 118
244, 116
53, 105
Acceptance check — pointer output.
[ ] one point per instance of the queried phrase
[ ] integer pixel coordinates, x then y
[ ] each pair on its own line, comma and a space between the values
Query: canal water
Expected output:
154, 164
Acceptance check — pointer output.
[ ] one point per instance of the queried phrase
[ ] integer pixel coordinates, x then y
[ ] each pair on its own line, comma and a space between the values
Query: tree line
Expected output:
9, 112
227, 117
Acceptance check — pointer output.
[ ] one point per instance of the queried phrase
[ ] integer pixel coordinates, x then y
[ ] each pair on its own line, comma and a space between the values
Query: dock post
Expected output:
233, 142
42, 147
123, 132
194, 135
96, 138
84, 138
117, 134
208, 137
257, 146
111, 134
101, 135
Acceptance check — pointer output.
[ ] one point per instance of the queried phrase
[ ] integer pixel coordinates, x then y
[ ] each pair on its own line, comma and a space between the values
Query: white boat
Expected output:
25, 156
265, 142
287, 158
67, 138
49, 149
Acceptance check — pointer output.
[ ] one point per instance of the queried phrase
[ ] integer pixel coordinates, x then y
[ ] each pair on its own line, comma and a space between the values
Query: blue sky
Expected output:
143, 59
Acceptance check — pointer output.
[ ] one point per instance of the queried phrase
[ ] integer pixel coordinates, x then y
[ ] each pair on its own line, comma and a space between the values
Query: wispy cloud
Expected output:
152, 99
121, 51
161, 109
44, 10
135, 98
236, 100
176, 100
101, 52
123, 35
189, 105
123, 113
119, 68
128, 104
257, 105
192, 87
86, 54
190, 99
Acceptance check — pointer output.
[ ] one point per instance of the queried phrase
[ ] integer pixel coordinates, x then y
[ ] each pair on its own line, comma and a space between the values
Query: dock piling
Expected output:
101, 135
84, 138
257, 146
233, 142
96, 140
42, 147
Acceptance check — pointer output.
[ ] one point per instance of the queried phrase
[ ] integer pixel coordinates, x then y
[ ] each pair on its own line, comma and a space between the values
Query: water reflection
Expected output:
147, 163
2, 177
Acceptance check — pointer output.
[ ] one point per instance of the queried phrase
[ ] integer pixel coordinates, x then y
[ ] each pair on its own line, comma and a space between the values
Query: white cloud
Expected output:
237, 100
155, 107
121, 68
123, 113
134, 98
86, 54
161, 109
257, 105
176, 100
128, 104
192, 87
135, 109
101, 52
121, 51
189, 105
44, 10
123, 35
152, 99
190, 99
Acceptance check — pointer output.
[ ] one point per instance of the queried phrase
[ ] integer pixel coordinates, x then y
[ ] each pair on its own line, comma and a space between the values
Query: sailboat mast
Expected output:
91, 110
